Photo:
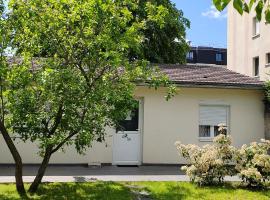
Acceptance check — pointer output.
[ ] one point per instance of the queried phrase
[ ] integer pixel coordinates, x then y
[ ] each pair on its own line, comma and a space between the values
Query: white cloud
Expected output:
214, 13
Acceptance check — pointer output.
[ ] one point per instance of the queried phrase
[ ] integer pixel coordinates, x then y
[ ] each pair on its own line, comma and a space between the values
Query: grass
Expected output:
131, 191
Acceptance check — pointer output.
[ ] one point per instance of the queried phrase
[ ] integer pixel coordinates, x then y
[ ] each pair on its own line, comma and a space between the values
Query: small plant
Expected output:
211, 163
253, 163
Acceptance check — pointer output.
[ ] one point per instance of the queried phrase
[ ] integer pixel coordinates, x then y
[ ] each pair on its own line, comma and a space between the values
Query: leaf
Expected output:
218, 4
251, 3
238, 5
225, 4
259, 9
246, 7
267, 15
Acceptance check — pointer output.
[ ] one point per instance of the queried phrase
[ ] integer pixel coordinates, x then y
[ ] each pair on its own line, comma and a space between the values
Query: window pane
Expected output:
216, 132
267, 58
204, 131
256, 66
219, 57
131, 123
190, 55
256, 26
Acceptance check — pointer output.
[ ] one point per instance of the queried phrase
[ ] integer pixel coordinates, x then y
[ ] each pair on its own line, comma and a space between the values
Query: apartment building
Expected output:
248, 45
207, 55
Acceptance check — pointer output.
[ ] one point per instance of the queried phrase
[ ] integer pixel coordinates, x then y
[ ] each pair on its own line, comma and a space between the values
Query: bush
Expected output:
209, 164
253, 163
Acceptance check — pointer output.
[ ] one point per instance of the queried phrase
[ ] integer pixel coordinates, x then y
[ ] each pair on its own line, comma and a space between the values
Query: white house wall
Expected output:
165, 122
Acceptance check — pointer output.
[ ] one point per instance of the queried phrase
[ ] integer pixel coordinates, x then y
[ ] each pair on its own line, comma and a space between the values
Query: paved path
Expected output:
106, 173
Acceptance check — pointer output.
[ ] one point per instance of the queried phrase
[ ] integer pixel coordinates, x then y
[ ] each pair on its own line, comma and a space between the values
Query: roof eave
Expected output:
221, 86
213, 85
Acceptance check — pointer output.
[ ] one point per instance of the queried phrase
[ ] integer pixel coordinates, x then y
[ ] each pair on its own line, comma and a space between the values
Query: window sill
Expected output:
267, 65
206, 139
257, 77
255, 36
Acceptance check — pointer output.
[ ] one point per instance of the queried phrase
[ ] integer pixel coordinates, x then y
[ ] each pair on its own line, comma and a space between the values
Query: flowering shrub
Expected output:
253, 163
209, 164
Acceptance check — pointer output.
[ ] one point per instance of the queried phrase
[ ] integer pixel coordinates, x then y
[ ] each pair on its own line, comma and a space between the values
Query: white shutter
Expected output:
213, 115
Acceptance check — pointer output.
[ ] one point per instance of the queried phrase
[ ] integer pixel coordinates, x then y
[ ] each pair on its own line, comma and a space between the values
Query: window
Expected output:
210, 119
256, 65
219, 57
268, 59
256, 27
190, 55
131, 123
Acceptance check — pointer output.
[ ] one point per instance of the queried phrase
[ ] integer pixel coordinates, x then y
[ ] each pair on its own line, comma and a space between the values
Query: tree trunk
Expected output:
17, 159
41, 171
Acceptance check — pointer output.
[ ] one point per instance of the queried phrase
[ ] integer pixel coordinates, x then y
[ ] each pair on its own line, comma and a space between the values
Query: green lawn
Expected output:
126, 191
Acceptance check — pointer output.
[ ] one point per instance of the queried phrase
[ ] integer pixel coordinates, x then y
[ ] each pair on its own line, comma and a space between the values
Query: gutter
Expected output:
214, 85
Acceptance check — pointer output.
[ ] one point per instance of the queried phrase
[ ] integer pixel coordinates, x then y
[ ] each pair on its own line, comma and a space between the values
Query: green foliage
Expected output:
261, 7
267, 91
83, 79
160, 27
165, 34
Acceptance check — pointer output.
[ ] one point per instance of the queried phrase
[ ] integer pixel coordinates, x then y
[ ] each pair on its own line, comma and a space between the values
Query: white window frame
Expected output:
255, 27
212, 128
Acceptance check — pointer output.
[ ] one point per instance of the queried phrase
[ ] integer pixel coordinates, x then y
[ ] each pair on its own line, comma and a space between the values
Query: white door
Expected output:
127, 140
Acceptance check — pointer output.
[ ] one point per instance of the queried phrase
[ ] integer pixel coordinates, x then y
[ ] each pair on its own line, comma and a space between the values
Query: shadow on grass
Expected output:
94, 190
72, 191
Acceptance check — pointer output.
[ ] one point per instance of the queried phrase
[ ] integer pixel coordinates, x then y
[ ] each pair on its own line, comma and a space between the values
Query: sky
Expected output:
208, 26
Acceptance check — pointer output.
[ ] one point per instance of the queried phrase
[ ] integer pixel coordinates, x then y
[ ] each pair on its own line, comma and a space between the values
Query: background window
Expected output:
256, 65
190, 55
256, 26
268, 58
219, 57
210, 118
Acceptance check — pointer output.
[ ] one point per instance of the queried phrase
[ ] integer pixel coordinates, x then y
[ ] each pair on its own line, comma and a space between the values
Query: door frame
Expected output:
140, 127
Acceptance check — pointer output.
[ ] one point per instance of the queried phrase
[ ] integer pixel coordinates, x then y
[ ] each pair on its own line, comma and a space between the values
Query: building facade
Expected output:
207, 55
209, 95
248, 45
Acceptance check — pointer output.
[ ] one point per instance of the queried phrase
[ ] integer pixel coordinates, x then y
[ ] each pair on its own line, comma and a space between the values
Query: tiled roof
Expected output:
208, 75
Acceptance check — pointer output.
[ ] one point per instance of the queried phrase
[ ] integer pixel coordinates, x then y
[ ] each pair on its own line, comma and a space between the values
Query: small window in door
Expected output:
131, 123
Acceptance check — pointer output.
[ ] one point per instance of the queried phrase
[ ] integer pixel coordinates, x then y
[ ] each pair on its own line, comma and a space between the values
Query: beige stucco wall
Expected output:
243, 47
165, 122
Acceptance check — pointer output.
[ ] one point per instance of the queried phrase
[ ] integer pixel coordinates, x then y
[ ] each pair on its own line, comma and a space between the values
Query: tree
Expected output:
261, 7
4, 41
85, 80
162, 43
166, 43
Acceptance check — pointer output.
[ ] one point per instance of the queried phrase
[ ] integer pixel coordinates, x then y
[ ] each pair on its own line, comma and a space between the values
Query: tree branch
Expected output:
71, 134
64, 141
58, 119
